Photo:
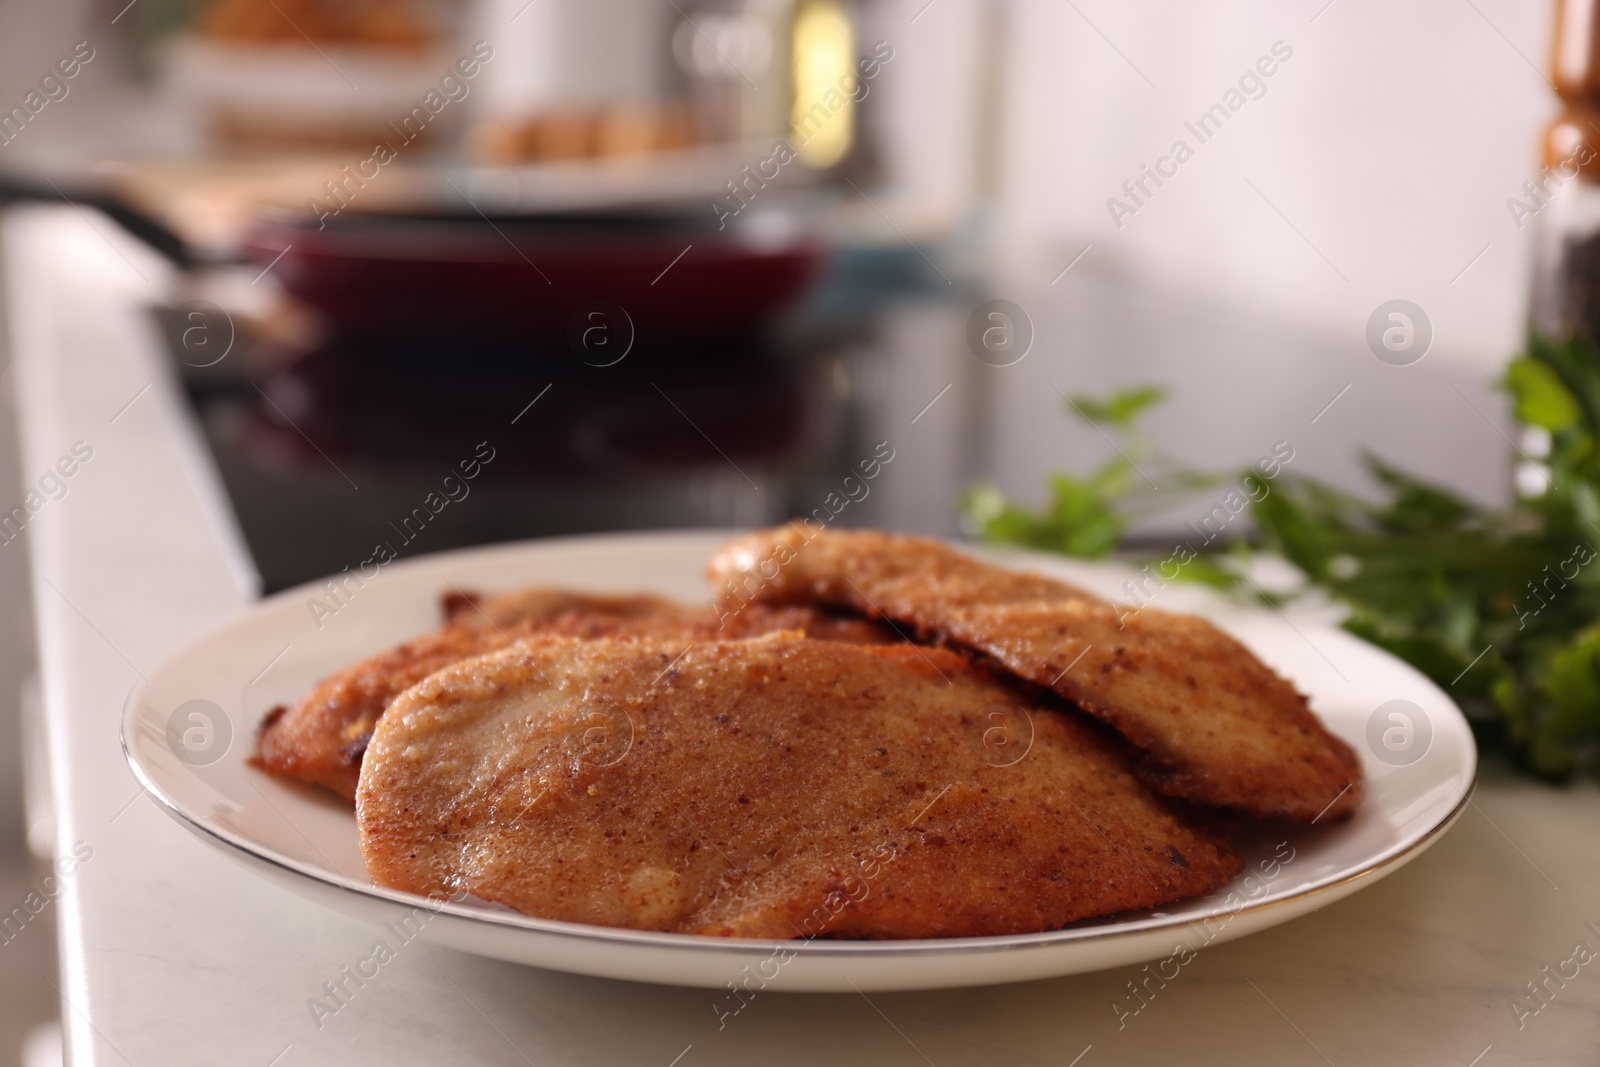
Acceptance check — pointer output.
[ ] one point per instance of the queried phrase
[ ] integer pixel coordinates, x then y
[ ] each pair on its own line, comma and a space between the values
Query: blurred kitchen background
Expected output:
688, 262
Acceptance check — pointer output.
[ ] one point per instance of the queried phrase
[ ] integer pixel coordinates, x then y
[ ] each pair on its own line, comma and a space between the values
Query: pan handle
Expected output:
152, 231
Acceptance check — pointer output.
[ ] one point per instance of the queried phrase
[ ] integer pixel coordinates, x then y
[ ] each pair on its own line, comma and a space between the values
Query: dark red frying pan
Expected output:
674, 276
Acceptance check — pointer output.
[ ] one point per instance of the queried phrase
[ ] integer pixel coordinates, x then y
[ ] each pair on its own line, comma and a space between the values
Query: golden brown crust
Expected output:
775, 788
1216, 725
322, 738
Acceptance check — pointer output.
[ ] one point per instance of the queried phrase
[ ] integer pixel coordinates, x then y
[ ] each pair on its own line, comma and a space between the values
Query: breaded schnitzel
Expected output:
775, 788
321, 738
1215, 724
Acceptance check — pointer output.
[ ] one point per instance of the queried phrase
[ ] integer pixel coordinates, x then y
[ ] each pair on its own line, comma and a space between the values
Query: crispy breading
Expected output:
774, 788
322, 738
1214, 723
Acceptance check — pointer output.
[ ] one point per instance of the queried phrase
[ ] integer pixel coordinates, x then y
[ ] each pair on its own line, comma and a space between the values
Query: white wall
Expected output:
1377, 165
1390, 140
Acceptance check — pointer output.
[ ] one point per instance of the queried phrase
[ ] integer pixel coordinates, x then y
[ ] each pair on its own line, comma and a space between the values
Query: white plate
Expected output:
306, 840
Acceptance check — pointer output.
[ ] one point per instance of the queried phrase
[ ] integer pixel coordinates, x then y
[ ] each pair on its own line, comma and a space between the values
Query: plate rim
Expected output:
1147, 925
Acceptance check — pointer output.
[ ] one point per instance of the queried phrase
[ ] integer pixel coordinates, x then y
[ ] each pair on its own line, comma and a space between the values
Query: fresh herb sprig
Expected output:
1500, 608
1089, 516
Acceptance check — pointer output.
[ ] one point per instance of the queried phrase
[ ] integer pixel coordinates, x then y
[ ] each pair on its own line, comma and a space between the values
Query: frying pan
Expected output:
674, 274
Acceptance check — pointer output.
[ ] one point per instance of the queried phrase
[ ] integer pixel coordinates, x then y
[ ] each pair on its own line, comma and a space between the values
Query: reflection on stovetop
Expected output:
429, 443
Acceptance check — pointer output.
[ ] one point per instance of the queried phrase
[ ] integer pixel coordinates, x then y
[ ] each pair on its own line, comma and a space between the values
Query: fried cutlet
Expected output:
775, 788
321, 739
1215, 725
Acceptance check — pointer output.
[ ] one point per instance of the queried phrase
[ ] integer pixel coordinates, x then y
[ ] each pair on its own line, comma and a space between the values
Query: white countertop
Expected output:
172, 953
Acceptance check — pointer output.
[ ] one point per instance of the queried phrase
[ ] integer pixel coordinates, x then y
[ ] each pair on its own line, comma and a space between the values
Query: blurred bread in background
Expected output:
573, 132
372, 23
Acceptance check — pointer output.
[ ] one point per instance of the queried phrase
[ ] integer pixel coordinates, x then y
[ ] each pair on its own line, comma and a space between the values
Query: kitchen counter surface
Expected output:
173, 954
